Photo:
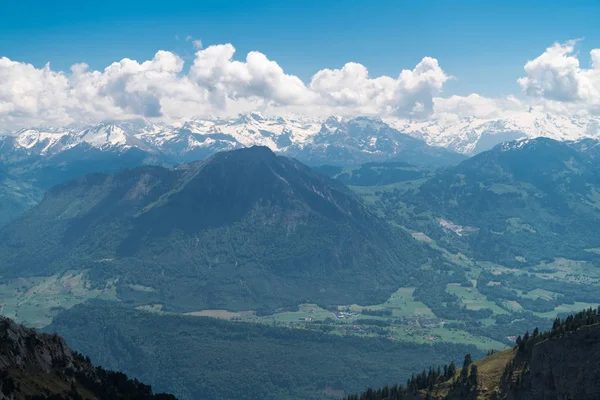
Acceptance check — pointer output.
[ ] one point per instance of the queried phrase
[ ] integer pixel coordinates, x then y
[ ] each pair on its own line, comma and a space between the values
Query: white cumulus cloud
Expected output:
218, 83
215, 83
410, 94
557, 76
29, 92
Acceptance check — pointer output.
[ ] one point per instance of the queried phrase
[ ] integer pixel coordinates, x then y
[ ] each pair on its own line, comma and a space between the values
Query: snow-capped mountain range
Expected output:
474, 135
188, 136
335, 140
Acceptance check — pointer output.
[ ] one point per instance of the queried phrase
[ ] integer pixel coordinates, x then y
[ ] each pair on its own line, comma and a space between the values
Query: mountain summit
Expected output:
239, 230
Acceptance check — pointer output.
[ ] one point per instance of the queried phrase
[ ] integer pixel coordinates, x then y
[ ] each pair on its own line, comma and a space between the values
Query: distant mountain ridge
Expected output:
366, 139
336, 140
518, 204
473, 135
44, 157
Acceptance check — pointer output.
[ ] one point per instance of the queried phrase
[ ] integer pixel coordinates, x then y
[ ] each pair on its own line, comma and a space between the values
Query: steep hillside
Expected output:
16, 196
562, 363
41, 366
243, 230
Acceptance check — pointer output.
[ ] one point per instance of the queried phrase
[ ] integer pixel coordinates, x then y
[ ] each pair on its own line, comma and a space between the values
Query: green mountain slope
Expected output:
16, 197
242, 230
521, 202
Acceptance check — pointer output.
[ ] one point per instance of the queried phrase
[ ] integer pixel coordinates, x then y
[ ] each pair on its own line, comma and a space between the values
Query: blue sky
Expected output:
429, 60
483, 44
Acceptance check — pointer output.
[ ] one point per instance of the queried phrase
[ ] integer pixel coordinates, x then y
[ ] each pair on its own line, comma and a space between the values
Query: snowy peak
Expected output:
41, 141
332, 123
474, 135
254, 129
515, 145
102, 136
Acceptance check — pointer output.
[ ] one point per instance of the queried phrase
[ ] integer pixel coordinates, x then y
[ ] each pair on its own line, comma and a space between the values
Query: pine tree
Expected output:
473, 377
464, 372
451, 370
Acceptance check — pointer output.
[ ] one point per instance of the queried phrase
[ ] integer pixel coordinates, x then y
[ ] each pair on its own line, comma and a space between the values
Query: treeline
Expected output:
518, 368
559, 327
376, 313
115, 385
466, 382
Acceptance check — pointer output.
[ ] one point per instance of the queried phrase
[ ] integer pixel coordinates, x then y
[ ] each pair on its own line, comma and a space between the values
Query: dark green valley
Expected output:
206, 358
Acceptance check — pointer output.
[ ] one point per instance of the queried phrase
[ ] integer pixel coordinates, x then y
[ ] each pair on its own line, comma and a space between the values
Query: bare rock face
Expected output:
25, 348
564, 368
38, 366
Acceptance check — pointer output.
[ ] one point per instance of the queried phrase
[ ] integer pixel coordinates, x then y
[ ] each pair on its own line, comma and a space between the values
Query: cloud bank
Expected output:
214, 84
165, 89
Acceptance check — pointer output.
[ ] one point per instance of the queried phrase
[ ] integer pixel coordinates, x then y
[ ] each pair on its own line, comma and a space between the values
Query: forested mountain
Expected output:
561, 363
35, 366
16, 196
520, 203
242, 230
199, 358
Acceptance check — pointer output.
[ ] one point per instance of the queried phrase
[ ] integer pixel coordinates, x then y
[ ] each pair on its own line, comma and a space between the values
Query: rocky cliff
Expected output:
41, 366
560, 364
565, 367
